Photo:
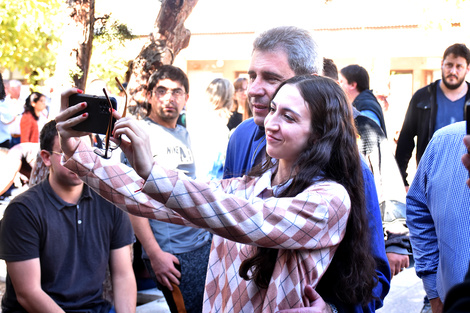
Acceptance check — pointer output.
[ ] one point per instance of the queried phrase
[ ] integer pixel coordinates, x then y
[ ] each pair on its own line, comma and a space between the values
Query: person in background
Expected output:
176, 256
6, 117
57, 239
378, 154
15, 103
33, 118
240, 108
278, 54
354, 80
434, 106
210, 134
330, 69
21, 158
437, 214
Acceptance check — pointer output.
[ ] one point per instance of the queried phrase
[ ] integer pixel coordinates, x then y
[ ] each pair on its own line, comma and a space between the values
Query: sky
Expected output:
139, 15
255, 15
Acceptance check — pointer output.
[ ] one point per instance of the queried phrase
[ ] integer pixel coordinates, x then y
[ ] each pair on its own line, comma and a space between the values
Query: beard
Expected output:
168, 115
455, 85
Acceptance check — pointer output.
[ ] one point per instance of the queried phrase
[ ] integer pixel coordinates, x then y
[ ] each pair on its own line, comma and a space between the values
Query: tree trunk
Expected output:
82, 14
164, 43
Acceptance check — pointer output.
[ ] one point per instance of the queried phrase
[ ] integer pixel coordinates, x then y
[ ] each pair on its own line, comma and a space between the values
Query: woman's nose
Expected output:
270, 123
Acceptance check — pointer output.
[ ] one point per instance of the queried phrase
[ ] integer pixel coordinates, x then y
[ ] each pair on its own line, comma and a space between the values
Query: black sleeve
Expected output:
406, 143
19, 234
123, 233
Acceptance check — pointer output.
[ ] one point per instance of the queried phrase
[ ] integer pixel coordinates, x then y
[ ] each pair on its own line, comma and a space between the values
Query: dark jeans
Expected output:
14, 141
5, 144
193, 278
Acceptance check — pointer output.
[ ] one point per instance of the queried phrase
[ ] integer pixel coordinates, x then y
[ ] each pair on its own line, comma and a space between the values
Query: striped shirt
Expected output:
243, 213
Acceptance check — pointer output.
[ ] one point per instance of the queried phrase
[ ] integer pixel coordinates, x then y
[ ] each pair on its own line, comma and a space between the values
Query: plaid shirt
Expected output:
243, 213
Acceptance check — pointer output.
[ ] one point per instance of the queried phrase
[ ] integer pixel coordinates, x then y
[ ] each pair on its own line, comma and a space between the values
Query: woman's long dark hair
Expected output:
331, 154
32, 98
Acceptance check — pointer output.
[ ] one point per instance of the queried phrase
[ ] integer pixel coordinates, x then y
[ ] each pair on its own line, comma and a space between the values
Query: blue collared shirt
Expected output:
438, 213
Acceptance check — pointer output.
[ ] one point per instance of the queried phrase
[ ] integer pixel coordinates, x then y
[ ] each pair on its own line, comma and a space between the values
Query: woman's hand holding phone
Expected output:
65, 122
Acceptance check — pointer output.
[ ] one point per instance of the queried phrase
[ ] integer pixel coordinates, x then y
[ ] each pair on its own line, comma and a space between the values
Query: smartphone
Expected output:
98, 112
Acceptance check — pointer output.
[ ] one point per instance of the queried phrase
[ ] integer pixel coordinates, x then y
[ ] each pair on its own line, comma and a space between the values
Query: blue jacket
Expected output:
246, 146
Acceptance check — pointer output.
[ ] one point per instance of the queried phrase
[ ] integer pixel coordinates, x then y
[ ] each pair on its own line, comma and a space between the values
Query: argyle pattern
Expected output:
243, 214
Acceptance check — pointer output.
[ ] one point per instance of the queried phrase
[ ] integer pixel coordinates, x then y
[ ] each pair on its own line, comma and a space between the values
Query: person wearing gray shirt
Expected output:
176, 256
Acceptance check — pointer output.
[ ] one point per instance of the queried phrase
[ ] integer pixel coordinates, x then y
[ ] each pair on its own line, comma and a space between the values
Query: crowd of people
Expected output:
287, 198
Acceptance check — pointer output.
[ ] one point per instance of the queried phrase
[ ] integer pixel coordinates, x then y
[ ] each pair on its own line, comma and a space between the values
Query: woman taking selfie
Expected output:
277, 229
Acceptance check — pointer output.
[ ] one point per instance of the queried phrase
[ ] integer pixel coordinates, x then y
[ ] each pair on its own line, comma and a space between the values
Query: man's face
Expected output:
15, 92
346, 86
454, 69
59, 175
268, 69
167, 99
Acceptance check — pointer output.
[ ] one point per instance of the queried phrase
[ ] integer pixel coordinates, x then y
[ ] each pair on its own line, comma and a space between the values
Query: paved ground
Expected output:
406, 292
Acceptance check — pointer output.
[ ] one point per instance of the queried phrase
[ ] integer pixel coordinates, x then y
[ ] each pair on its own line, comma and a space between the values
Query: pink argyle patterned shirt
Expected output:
242, 213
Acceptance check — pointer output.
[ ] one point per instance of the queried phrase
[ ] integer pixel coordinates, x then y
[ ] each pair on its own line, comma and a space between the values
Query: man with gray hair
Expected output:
15, 105
279, 54
5, 117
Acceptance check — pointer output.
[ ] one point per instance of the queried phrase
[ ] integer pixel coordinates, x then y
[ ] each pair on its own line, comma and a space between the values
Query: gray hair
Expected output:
302, 51
14, 83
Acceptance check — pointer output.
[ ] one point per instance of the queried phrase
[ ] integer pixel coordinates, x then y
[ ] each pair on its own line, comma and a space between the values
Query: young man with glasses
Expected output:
57, 245
176, 256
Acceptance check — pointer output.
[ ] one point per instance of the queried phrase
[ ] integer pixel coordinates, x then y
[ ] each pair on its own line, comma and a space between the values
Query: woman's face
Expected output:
287, 125
241, 93
40, 104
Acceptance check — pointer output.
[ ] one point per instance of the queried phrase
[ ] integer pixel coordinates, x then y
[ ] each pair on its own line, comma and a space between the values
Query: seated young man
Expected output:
57, 239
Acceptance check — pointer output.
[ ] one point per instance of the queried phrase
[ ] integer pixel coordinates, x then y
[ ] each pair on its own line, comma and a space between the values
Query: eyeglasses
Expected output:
109, 145
55, 152
162, 91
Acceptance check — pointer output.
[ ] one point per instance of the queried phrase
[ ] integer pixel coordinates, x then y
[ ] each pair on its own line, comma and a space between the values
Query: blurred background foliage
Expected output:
30, 37
106, 61
31, 33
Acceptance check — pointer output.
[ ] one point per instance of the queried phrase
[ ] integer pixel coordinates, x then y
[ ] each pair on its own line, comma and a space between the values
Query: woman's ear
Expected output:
46, 157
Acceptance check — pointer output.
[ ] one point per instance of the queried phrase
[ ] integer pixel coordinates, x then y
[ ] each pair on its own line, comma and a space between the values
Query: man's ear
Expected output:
354, 85
46, 157
147, 94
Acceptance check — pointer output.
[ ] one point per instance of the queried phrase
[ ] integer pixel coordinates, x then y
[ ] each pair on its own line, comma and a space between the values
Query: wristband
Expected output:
333, 308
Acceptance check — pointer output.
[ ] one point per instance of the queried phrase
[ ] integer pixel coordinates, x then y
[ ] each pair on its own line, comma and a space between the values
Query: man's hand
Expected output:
163, 265
436, 305
398, 262
317, 304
